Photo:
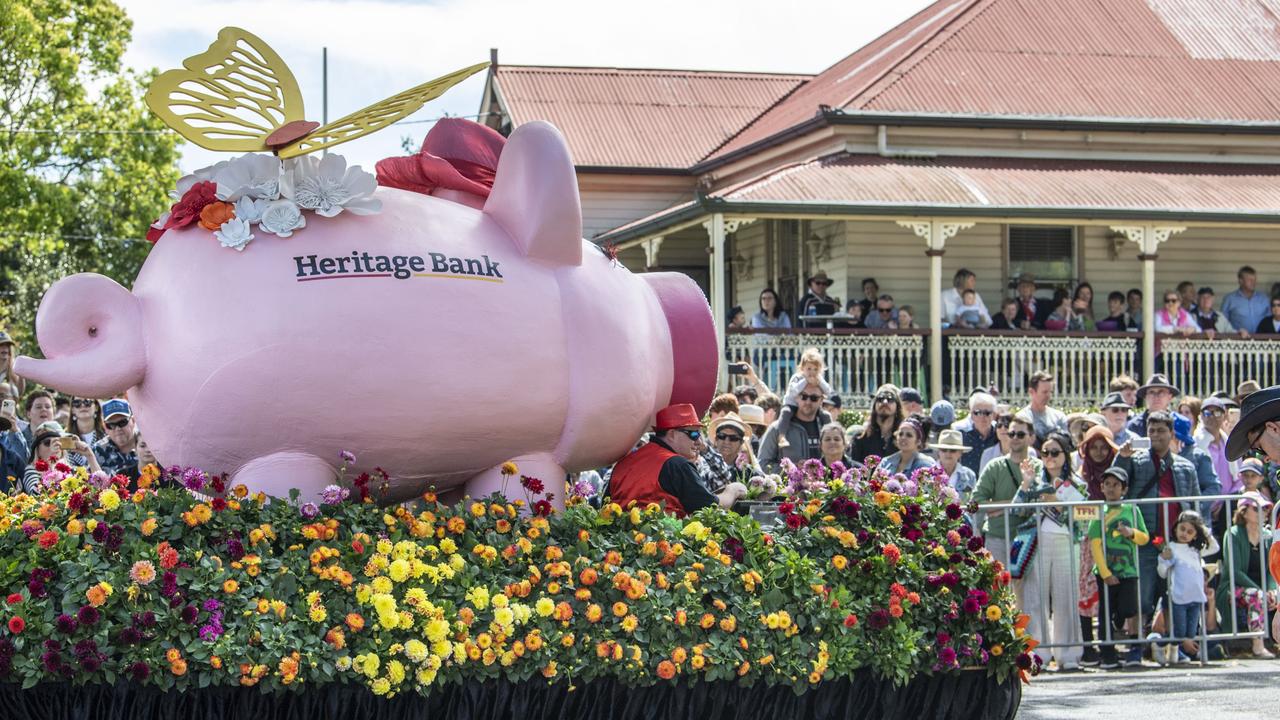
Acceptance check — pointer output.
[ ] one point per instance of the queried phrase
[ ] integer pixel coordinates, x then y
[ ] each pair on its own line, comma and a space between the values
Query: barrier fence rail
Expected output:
1039, 587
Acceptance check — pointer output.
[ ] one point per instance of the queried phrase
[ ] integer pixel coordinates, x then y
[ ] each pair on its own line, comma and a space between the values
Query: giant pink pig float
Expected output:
435, 339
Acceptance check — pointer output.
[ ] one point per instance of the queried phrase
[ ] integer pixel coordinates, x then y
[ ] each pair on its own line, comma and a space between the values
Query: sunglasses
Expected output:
983, 413
117, 424
810, 398
1019, 434
1052, 453
1170, 301
48, 442
1211, 412
1255, 436
82, 403
887, 399
731, 437
884, 310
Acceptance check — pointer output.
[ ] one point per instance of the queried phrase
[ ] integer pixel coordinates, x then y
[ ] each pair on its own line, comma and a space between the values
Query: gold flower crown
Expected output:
239, 96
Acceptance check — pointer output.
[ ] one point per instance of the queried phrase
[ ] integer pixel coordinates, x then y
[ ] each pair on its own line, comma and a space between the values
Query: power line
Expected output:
166, 131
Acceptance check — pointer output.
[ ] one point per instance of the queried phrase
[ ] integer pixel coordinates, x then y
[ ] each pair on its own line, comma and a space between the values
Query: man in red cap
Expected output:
660, 471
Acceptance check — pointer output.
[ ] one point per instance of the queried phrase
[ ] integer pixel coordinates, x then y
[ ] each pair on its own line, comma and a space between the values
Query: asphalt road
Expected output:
1222, 691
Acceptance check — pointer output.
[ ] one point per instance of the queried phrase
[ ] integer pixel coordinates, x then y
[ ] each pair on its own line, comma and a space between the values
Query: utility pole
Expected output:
324, 89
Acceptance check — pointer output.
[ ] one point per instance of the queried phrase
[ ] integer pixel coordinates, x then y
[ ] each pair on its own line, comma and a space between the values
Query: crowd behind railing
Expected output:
1124, 528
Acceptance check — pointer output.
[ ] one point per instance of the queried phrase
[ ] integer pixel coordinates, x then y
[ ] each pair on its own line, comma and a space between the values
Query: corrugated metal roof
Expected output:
1207, 60
639, 118
995, 187
997, 183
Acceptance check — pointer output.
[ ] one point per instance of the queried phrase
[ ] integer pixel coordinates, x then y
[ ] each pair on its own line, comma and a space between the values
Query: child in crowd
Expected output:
906, 319
969, 315
1114, 542
810, 371
1182, 565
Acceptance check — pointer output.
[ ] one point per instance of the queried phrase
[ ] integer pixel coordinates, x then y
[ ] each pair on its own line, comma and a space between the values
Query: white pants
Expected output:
1049, 589
1000, 551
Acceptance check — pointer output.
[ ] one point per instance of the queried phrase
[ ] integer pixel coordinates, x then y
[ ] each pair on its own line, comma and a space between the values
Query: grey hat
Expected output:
942, 414
1118, 473
1115, 399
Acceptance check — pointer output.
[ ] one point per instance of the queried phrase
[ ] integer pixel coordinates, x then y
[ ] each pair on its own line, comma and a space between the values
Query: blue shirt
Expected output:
1246, 313
972, 458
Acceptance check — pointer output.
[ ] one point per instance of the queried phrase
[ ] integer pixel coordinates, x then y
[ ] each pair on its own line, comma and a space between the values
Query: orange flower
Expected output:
666, 670
620, 609
679, 655
216, 213
355, 621
744, 668
729, 624
587, 576
895, 610
178, 667
173, 655
594, 613
149, 526
230, 586
96, 596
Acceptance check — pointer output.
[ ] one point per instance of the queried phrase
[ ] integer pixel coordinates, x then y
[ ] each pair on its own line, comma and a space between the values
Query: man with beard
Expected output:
804, 436
877, 436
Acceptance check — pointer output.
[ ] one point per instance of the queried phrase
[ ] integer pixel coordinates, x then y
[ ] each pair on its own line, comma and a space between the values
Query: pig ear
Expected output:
535, 195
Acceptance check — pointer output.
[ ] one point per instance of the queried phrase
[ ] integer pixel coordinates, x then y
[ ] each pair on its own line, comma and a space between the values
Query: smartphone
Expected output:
68, 443
737, 368
1140, 443
7, 407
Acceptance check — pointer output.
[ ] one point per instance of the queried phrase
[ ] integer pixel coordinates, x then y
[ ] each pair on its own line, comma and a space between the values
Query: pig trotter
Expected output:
278, 473
541, 466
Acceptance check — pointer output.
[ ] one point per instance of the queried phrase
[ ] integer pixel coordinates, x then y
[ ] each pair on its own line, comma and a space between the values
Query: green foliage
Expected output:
72, 201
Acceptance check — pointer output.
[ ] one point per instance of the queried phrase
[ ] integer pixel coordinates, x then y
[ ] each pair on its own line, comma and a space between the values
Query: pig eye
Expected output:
93, 331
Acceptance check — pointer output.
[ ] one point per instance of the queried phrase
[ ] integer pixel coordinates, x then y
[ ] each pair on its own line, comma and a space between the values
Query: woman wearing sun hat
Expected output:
46, 447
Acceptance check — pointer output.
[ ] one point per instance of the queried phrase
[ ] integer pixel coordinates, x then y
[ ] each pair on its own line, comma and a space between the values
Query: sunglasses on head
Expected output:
117, 424
82, 403
731, 437
1018, 434
810, 398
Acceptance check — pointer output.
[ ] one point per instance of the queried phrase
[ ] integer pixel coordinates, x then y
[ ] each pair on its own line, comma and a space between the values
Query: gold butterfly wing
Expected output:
379, 115
230, 97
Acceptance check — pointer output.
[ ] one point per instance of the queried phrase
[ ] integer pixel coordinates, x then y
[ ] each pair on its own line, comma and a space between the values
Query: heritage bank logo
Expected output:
359, 265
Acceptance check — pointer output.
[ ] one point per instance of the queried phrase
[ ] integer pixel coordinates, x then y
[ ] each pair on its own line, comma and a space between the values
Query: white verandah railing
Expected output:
1082, 363
858, 361
1200, 366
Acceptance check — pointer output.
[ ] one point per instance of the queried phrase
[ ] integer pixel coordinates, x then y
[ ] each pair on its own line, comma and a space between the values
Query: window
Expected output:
1048, 253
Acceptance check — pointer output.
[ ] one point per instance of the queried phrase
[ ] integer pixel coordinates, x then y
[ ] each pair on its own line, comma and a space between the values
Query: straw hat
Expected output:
950, 440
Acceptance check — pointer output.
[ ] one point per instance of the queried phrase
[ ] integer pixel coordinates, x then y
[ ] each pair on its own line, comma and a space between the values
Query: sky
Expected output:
377, 48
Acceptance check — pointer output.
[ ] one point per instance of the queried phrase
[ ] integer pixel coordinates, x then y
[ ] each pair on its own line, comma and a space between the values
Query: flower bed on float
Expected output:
871, 579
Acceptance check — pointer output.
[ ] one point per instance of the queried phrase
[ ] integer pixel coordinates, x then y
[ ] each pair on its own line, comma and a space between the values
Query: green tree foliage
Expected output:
84, 166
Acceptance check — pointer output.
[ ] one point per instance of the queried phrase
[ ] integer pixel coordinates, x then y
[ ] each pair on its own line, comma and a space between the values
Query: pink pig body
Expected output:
499, 335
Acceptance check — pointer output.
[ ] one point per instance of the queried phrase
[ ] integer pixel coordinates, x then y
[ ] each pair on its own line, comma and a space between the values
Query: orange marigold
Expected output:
666, 670
355, 621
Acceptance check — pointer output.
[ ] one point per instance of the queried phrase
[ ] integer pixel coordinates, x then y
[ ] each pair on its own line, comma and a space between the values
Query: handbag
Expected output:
1023, 550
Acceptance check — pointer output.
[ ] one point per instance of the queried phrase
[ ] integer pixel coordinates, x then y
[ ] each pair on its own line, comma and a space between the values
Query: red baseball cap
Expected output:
680, 415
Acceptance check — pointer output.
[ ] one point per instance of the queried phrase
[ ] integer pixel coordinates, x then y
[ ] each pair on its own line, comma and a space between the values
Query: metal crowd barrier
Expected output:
1017, 513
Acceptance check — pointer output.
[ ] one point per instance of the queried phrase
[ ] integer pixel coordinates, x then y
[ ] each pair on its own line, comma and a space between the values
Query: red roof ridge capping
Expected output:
887, 45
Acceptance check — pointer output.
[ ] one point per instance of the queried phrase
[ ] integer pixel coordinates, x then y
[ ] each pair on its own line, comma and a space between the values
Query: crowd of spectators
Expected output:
1188, 309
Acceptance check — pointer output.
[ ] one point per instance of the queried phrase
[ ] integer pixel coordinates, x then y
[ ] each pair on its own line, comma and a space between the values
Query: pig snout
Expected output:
694, 354
90, 329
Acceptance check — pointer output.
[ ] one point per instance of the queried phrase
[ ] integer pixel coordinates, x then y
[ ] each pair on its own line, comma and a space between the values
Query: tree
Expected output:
84, 166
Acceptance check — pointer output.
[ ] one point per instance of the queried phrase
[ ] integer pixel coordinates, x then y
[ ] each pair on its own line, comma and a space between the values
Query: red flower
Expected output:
1157, 541
42, 466
891, 553
786, 508
188, 209
218, 504
357, 546
850, 620
795, 521
533, 485
48, 539
17, 625
14, 599
542, 508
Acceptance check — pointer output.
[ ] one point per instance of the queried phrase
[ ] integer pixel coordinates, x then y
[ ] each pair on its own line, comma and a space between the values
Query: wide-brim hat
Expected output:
751, 414
820, 277
6, 338
680, 415
732, 420
1246, 388
1253, 497
456, 154
1158, 380
1095, 432
1256, 410
950, 440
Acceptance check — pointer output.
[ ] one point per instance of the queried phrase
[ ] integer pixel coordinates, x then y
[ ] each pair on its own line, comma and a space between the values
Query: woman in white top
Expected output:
951, 301
771, 314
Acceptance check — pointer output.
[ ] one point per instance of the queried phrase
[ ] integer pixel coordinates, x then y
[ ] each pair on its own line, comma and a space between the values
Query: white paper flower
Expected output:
200, 175
327, 186
282, 217
234, 233
250, 210
251, 175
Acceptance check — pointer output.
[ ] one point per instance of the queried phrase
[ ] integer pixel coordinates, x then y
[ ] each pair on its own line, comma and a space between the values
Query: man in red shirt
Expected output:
660, 471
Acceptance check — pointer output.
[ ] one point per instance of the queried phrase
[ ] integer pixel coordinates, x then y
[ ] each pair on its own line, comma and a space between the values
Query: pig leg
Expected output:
541, 466
278, 473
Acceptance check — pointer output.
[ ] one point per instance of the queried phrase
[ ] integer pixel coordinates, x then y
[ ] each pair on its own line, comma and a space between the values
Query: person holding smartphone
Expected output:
51, 445
13, 446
